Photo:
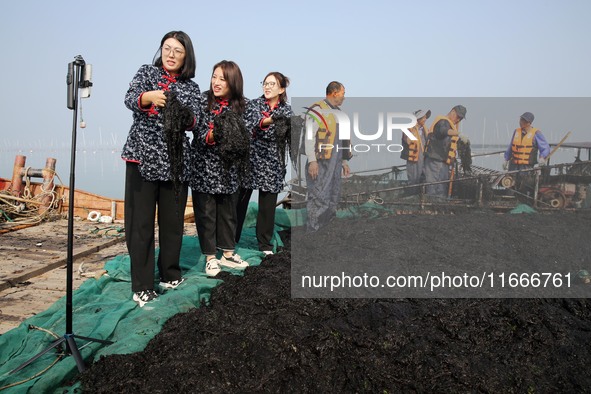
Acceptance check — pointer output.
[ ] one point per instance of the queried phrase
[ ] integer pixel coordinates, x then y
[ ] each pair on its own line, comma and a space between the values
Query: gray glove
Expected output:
506, 165
542, 161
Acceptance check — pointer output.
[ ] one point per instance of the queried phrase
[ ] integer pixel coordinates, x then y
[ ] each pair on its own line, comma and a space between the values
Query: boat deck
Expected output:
33, 268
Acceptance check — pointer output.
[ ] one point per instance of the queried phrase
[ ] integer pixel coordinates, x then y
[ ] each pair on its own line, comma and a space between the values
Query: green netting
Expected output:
369, 210
523, 208
103, 309
297, 217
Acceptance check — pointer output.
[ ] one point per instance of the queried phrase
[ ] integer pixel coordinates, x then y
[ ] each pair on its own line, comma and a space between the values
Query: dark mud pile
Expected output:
255, 338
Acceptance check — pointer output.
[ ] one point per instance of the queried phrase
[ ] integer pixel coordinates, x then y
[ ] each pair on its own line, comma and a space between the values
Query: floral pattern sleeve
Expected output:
146, 144
267, 168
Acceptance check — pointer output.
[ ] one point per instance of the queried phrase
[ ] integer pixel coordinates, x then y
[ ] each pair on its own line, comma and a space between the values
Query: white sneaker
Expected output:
233, 261
212, 267
173, 284
145, 296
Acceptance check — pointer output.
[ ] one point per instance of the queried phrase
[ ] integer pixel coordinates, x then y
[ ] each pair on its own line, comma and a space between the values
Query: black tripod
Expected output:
74, 81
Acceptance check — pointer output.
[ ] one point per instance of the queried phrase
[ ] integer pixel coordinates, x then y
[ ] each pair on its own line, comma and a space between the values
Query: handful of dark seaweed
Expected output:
176, 119
232, 139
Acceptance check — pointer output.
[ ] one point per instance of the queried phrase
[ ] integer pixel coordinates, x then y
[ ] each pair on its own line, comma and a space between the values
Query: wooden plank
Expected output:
48, 266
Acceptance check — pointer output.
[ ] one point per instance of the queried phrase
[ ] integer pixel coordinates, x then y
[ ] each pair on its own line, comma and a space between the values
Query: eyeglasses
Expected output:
177, 51
269, 84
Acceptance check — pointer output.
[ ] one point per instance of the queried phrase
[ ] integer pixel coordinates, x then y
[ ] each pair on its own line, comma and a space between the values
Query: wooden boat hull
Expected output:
86, 202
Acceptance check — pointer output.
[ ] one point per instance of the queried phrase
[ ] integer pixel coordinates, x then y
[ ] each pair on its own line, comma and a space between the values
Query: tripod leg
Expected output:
55, 344
73, 349
103, 341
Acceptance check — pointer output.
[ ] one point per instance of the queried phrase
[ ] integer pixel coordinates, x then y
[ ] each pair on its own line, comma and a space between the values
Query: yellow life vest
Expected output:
453, 146
522, 146
415, 148
326, 135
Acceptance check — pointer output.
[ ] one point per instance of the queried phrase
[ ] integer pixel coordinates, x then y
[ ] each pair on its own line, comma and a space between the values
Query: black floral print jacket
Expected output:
146, 144
267, 168
209, 175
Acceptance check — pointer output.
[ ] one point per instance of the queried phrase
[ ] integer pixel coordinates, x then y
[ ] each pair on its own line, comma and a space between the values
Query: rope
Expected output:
25, 210
375, 199
106, 230
27, 191
58, 358
6, 216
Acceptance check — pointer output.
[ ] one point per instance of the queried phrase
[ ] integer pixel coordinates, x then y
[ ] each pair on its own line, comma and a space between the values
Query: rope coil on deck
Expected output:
15, 210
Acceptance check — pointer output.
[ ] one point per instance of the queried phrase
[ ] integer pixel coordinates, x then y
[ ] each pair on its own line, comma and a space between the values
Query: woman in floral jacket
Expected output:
157, 163
267, 156
215, 179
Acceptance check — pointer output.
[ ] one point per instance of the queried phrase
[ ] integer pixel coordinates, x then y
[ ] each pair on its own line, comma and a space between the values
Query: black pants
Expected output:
524, 182
265, 216
215, 217
141, 199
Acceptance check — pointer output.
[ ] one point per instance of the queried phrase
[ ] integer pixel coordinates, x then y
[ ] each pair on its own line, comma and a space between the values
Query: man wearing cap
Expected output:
526, 142
413, 150
441, 150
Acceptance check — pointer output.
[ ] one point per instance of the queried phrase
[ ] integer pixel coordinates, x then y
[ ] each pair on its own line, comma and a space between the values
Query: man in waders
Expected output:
441, 150
413, 151
327, 159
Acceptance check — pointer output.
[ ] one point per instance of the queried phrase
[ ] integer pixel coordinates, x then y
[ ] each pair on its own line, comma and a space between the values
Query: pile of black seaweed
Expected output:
255, 338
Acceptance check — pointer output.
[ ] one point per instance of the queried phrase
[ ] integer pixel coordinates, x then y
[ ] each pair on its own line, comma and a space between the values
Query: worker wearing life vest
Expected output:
326, 130
328, 157
526, 142
441, 150
413, 150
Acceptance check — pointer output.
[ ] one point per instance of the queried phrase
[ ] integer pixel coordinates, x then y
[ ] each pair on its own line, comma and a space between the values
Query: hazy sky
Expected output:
376, 48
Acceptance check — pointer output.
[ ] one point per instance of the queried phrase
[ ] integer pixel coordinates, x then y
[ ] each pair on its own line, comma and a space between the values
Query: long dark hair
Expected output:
283, 83
190, 64
233, 77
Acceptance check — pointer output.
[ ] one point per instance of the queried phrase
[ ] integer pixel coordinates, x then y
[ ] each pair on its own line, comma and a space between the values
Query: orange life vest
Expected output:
415, 148
453, 146
325, 137
522, 146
